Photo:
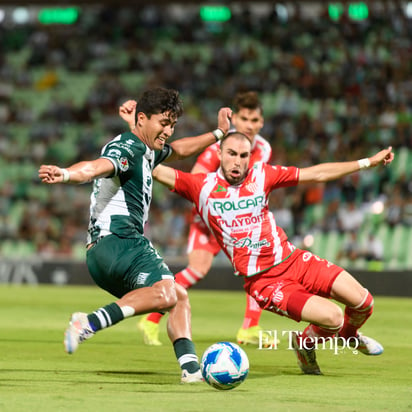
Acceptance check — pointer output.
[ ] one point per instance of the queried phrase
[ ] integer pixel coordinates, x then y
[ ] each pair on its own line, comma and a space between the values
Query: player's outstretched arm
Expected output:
189, 146
165, 175
127, 112
81, 172
331, 171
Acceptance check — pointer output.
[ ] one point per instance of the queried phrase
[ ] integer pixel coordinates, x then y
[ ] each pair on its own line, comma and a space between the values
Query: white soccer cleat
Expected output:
191, 377
367, 346
306, 357
78, 331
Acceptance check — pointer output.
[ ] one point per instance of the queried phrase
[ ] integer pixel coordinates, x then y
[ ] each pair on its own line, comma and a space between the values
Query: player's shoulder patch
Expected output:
123, 164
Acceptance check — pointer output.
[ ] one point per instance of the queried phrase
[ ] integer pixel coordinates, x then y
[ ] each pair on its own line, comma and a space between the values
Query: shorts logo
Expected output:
277, 295
123, 164
141, 278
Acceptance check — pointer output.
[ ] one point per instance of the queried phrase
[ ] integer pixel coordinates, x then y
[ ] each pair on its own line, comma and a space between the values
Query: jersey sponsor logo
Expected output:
242, 221
220, 189
249, 243
123, 164
241, 204
123, 146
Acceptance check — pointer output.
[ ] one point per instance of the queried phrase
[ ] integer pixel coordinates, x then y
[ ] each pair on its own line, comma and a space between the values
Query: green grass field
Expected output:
116, 371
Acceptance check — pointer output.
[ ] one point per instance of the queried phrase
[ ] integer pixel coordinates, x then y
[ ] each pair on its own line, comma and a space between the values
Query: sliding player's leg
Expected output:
325, 320
359, 307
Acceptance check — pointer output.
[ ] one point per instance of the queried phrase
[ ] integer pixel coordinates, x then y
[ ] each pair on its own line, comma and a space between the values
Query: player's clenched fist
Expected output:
127, 112
51, 174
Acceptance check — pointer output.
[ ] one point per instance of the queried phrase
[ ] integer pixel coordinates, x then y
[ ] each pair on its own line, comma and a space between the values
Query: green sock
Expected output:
186, 354
104, 317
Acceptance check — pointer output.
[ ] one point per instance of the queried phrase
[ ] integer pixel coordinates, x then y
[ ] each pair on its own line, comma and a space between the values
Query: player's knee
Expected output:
166, 298
334, 318
181, 293
182, 296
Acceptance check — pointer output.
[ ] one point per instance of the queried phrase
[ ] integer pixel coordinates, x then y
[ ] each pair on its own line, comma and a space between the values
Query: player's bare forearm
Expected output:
165, 175
189, 146
331, 171
82, 172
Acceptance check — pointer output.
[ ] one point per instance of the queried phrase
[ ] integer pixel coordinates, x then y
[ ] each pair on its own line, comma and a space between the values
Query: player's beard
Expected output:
234, 179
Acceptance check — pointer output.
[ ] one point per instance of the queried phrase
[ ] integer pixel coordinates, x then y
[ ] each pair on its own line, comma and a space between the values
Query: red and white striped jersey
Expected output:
239, 215
260, 152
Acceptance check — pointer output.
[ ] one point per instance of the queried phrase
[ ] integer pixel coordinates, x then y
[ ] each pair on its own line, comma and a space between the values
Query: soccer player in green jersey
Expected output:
120, 259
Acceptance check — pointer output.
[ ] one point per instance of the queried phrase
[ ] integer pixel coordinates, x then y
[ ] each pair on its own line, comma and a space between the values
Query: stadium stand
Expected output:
331, 90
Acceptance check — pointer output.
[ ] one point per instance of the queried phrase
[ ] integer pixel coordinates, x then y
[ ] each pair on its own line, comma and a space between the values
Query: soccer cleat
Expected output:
254, 336
78, 331
367, 346
191, 377
150, 332
306, 357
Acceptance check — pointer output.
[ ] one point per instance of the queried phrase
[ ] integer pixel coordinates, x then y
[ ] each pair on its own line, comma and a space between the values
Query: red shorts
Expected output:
285, 288
201, 238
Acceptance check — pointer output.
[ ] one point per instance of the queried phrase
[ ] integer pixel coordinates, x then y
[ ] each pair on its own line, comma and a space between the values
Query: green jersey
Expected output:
120, 203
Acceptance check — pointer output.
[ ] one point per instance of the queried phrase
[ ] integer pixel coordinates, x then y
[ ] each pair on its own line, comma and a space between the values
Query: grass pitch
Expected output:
116, 371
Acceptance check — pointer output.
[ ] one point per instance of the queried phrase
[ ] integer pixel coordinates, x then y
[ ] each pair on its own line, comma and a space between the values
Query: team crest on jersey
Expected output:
252, 187
123, 164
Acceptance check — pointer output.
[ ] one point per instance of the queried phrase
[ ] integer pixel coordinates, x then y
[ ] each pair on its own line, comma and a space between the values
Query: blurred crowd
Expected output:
331, 91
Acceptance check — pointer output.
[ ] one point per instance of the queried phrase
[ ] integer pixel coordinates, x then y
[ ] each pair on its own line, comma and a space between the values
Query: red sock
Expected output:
357, 316
252, 313
155, 317
188, 277
313, 332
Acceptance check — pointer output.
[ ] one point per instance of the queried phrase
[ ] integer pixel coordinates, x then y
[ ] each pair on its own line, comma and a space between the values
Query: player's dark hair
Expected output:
159, 100
247, 100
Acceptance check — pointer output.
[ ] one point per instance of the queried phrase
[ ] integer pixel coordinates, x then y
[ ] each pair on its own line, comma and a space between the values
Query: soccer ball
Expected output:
224, 365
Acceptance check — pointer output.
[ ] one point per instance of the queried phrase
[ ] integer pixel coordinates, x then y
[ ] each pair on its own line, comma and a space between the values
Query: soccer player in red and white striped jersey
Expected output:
233, 203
